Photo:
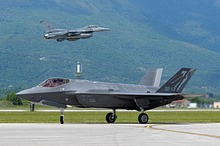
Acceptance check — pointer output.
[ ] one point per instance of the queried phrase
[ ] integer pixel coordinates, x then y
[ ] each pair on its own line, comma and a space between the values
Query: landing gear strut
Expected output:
111, 117
143, 118
32, 105
61, 116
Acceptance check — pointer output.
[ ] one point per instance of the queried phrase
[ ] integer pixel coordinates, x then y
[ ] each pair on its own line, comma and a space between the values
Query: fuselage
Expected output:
72, 35
95, 94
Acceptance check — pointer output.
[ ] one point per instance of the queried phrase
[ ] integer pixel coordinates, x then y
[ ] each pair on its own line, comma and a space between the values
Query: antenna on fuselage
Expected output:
78, 70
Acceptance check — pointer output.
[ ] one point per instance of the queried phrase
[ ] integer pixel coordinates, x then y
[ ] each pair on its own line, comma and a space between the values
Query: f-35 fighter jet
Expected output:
70, 35
61, 92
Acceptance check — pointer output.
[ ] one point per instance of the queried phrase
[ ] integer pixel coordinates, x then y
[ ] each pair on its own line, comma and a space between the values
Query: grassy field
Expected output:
156, 117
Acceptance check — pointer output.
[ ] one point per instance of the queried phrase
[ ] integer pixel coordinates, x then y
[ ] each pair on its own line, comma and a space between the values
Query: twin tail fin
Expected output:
177, 83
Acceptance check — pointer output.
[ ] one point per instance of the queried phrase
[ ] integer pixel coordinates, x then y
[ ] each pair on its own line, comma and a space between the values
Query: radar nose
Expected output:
105, 29
20, 93
25, 94
46, 36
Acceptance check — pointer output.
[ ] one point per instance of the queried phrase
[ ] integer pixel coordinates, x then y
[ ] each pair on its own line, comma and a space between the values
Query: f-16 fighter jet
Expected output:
61, 92
70, 35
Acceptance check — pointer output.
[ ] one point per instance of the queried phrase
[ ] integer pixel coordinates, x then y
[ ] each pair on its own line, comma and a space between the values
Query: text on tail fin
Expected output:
177, 83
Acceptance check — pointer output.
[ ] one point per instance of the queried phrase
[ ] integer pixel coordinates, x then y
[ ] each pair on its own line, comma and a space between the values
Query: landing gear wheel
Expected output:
143, 118
110, 118
61, 115
61, 119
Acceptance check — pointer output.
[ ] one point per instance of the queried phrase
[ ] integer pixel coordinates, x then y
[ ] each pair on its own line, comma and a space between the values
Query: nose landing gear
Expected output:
61, 116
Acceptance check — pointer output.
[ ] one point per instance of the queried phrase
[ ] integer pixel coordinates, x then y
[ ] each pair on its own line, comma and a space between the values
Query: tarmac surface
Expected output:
109, 134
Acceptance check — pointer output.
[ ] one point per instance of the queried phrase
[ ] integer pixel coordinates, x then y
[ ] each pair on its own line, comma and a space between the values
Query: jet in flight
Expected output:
61, 92
70, 35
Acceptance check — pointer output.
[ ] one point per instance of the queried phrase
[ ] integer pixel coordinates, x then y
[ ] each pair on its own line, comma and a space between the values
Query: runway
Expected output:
109, 134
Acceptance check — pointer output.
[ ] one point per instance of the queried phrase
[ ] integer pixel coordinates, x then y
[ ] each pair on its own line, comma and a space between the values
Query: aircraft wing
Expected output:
146, 101
165, 95
78, 31
141, 95
73, 31
132, 95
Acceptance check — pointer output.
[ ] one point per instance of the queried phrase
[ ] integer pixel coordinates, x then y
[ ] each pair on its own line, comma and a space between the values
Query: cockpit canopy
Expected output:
92, 26
53, 82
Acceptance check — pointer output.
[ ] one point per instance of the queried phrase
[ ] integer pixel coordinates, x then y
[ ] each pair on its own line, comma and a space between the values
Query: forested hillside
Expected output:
143, 34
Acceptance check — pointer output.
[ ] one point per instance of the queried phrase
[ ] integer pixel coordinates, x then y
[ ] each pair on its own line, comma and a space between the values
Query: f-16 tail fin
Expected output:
47, 25
152, 77
177, 83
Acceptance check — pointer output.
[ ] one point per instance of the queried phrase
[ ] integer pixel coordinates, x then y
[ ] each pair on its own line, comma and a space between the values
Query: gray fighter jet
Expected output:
61, 92
70, 35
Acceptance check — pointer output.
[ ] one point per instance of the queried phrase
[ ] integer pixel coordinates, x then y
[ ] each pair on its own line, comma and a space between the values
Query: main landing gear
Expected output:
142, 118
111, 117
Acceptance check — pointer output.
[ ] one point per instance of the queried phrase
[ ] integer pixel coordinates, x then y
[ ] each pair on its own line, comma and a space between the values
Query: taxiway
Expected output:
109, 134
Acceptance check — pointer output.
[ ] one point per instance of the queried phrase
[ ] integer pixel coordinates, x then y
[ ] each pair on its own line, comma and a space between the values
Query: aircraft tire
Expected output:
143, 118
110, 118
62, 119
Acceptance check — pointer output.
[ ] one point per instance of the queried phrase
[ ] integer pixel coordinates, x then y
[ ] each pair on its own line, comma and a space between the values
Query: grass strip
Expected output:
99, 117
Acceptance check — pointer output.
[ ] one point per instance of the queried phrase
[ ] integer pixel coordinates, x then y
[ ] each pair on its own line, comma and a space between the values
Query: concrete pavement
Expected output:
109, 134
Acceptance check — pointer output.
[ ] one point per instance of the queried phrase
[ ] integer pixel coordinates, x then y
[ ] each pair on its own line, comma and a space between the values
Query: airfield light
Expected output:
78, 70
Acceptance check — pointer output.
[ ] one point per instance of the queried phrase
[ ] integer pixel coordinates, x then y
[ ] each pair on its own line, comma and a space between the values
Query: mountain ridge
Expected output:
139, 38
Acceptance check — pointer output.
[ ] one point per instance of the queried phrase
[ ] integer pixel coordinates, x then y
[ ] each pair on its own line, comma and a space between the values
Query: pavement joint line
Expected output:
183, 132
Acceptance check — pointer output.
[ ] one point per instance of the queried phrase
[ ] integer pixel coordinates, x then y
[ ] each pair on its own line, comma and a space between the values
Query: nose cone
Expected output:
46, 36
104, 29
98, 29
33, 94
25, 94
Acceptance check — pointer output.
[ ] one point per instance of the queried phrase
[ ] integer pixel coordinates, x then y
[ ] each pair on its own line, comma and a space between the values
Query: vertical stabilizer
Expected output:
177, 83
152, 77
47, 25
